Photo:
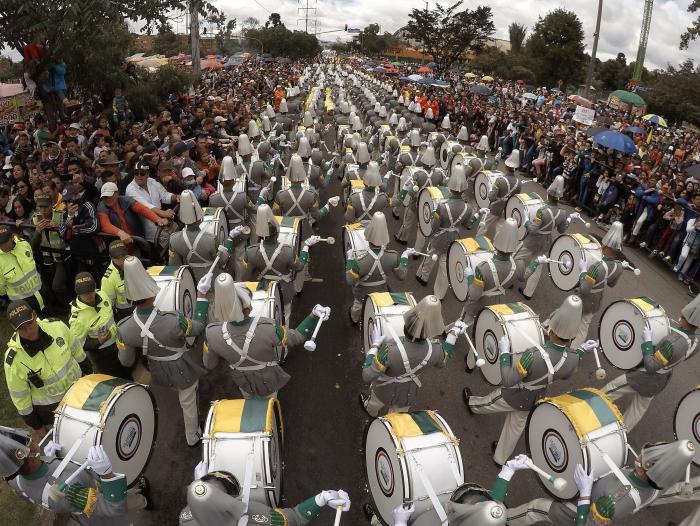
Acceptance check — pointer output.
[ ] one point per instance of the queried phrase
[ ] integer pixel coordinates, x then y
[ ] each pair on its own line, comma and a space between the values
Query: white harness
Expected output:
192, 247
269, 262
553, 222
228, 205
376, 266
295, 202
243, 352
147, 335
410, 374
453, 223
365, 208
498, 288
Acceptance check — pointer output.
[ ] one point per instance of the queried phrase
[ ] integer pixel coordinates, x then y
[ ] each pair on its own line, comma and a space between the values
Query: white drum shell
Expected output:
177, 293
686, 421
457, 261
515, 207
461, 158
354, 239
447, 151
373, 315
216, 224
481, 189
427, 204
570, 251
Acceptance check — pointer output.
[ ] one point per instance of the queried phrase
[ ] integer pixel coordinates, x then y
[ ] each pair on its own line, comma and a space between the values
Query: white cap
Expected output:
513, 160
613, 237
138, 285
371, 176
295, 171
253, 129
362, 153
270, 111
265, 221
565, 320
429, 113
382, 112
190, 210
483, 145
266, 123
424, 321
428, 157
218, 119
556, 189
356, 124
458, 179
446, 124
400, 100
377, 106
666, 464
109, 189
344, 108
403, 125
394, 119
227, 172
283, 106
411, 106
463, 135
506, 239
377, 232
308, 119
304, 148
243, 146
414, 138
230, 300
187, 172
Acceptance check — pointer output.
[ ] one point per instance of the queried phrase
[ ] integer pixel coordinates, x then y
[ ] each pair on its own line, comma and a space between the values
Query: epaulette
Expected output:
108, 272
9, 358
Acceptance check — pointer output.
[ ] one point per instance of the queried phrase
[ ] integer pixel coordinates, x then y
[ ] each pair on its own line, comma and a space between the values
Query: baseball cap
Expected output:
75, 126
109, 159
219, 118
84, 282
42, 200
71, 192
5, 233
187, 172
108, 190
117, 248
181, 147
19, 312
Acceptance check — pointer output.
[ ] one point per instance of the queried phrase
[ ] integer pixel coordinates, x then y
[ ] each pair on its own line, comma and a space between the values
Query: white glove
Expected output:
582, 266
235, 232
584, 481
321, 312
484, 211
515, 464
648, 334
504, 345
52, 448
489, 185
468, 271
312, 240
408, 252
333, 201
342, 501
589, 345
575, 215
541, 260
200, 470
204, 283
459, 327
325, 497
377, 337
350, 254
264, 193
626, 264
407, 184
98, 461
401, 514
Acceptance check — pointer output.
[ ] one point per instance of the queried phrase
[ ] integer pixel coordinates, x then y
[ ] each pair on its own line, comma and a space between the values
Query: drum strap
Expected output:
453, 223
434, 500
248, 171
600, 286
228, 205
295, 202
247, 483
243, 353
147, 335
498, 288
376, 266
410, 374
308, 170
553, 222
365, 208
192, 247
269, 262
59, 470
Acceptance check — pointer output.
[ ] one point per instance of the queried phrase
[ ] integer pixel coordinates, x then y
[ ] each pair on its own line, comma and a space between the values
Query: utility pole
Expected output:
194, 32
591, 64
306, 16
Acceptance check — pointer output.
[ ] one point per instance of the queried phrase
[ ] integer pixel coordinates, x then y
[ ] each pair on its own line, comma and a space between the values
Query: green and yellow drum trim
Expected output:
388, 299
587, 409
417, 423
245, 416
93, 392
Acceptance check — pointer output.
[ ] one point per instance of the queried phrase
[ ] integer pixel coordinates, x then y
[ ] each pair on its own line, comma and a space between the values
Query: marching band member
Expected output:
505, 187
525, 380
249, 344
112, 282
217, 498
362, 205
655, 372
539, 232
367, 271
162, 338
653, 480
362, 159
394, 362
314, 174
252, 169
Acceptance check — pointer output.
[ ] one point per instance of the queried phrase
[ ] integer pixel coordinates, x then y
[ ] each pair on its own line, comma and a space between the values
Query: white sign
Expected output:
584, 115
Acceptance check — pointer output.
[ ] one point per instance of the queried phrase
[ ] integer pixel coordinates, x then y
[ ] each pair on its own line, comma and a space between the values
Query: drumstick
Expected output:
434, 257
480, 362
600, 373
310, 344
330, 240
565, 264
63, 485
627, 266
585, 223
338, 513
558, 482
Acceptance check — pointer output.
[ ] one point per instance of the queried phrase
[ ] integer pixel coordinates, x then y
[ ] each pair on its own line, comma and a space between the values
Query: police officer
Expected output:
92, 326
500, 191
216, 498
659, 360
112, 282
19, 278
41, 362
394, 362
525, 380
253, 346
362, 205
162, 338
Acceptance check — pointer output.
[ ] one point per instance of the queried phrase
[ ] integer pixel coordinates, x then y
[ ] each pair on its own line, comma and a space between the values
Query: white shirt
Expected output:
154, 197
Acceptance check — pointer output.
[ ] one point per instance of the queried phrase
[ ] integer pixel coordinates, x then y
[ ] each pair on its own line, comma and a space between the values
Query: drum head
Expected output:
621, 328
385, 474
278, 307
514, 209
487, 331
272, 452
445, 151
481, 190
565, 275
456, 263
554, 446
130, 431
426, 207
686, 421
369, 313
222, 226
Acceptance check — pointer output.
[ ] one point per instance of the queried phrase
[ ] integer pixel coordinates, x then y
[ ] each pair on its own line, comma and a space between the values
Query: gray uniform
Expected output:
362, 205
109, 508
236, 205
297, 201
258, 514
504, 187
256, 175
423, 177
195, 248
315, 175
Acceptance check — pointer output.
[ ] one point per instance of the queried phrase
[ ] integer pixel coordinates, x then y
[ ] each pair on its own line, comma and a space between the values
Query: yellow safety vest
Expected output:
51, 239
19, 278
112, 284
87, 321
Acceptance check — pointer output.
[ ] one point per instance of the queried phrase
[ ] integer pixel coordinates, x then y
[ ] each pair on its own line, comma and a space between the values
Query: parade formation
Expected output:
478, 239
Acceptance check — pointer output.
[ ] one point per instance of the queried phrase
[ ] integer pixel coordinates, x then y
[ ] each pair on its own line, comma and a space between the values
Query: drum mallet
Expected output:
480, 362
434, 257
585, 223
310, 344
338, 513
330, 240
63, 485
558, 482
635, 270
600, 373
558, 262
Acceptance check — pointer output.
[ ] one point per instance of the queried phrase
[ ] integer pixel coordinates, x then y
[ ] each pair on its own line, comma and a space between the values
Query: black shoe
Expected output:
363, 402
144, 486
421, 281
494, 445
521, 290
401, 241
350, 316
368, 511
466, 394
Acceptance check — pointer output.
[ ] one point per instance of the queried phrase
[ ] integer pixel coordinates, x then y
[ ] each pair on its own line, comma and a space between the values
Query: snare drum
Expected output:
177, 290
354, 239
516, 206
114, 413
575, 428
465, 159
215, 222
247, 434
447, 152
463, 253
516, 320
686, 421
481, 187
570, 249
428, 200
622, 326
407, 457
381, 308
290, 232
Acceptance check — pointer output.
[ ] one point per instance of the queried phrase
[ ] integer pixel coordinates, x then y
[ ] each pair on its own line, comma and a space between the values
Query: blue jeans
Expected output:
583, 189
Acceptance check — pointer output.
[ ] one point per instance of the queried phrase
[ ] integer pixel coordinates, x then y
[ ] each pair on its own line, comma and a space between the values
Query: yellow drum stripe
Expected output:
582, 417
252, 286
501, 309
470, 244
354, 226
81, 390
356, 183
642, 305
227, 416
154, 271
403, 425
382, 299
584, 240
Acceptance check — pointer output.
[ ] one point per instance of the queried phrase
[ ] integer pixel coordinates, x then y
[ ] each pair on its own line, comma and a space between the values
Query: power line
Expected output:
265, 8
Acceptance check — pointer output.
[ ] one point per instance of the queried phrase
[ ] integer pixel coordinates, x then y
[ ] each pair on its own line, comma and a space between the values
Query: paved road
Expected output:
324, 424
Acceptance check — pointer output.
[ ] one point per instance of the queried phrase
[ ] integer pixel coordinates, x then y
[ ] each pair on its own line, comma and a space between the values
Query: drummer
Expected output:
395, 361
112, 283
539, 230
96, 497
362, 159
218, 499
314, 176
503, 188
450, 220
249, 344
655, 478
445, 135
172, 362
525, 380
362, 205
252, 169
366, 271
659, 360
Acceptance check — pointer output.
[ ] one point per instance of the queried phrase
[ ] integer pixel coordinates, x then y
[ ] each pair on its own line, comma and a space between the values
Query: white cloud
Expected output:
620, 27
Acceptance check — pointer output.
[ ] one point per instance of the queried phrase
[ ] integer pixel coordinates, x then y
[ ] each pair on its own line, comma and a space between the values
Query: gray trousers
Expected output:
582, 332
188, 402
410, 222
638, 404
375, 407
441, 281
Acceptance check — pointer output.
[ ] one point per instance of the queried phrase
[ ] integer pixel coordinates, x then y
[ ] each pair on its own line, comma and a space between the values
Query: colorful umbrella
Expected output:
211, 64
424, 69
470, 75
595, 130
396, 63
656, 119
480, 89
431, 65
487, 78
634, 129
628, 97
530, 96
520, 81
414, 78
578, 99
616, 140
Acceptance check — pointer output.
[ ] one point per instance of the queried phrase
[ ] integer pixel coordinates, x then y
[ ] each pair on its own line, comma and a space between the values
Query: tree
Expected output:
674, 94
693, 31
275, 20
250, 23
447, 33
516, 34
222, 29
555, 48
166, 41
612, 73
369, 41
280, 41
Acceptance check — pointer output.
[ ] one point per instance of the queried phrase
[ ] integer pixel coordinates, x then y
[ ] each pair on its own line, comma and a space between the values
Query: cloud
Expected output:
620, 27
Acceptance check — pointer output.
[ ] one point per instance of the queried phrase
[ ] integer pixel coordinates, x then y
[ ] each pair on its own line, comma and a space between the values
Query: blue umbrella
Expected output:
615, 140
480, 89
431, 65
634, 129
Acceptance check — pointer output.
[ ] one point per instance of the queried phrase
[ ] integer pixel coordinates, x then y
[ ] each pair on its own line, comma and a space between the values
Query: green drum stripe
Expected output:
254, 415
600, 408
445, 191
208, 211
649, 301
516, 308
534, 195
101, 392
425, 423
400, 298
287, 221
169, 270
483, 244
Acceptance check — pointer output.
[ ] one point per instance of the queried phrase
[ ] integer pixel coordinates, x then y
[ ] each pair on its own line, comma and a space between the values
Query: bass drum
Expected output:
481, 187
177, 290
465, 159
119, 415
516, 320
447, 152
516, 206
569, 249
621, 328
241, 435
686, 421
215, 222
408, 456
428, 200
575, 428
290, 234
381, 308
463, 253
354, 238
